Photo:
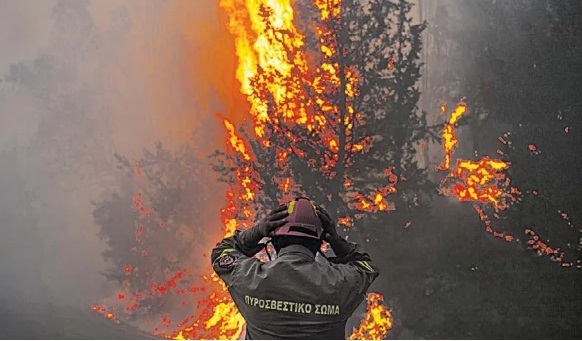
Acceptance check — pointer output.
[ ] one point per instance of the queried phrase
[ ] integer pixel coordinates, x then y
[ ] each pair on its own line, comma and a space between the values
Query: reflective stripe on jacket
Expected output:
293, 296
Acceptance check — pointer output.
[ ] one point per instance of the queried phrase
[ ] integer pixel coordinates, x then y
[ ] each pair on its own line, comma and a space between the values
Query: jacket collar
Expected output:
296, 249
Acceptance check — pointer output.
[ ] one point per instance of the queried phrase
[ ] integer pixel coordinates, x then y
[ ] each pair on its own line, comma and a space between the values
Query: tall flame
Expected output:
274, 74
450, 140
287, 93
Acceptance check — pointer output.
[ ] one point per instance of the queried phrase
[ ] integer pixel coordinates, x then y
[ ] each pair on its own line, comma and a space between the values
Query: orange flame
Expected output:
450, 139
347, 221
235, 141
443, 109
478, 180
377, 323
273, 74
284, 91
484, 182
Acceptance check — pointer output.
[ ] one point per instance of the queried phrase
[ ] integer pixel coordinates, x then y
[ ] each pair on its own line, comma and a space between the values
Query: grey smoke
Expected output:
80, 80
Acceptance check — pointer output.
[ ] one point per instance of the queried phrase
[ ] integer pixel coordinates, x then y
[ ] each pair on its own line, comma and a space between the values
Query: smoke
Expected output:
24, 27
80, 81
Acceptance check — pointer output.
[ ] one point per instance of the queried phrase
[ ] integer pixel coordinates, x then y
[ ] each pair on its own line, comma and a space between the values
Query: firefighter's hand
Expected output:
328, 224
340, 246
249, 238
275, 219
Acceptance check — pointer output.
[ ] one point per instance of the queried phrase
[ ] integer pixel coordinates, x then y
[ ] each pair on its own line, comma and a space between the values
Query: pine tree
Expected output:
347, 133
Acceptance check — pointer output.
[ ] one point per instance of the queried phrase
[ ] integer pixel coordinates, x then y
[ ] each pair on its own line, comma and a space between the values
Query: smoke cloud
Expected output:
80, 81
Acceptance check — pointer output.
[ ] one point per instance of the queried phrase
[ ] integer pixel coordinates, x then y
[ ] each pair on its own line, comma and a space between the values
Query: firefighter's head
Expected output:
303, 227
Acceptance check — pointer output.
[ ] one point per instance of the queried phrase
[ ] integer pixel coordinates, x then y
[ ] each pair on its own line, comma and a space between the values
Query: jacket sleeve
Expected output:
359, 272
230, 252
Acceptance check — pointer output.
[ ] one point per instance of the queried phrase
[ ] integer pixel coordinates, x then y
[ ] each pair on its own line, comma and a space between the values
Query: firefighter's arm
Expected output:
359, 271
244, 243
224, 256
227, 254
356, 264
351, 253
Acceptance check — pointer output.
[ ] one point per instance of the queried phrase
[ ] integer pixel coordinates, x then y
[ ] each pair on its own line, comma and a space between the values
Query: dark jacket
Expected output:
293, 296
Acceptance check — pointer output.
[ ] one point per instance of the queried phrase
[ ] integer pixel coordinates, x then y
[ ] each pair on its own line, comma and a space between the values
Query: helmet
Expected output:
302, 220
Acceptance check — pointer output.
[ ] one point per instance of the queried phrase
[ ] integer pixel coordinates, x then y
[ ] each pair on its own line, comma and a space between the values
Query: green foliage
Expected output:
385, 46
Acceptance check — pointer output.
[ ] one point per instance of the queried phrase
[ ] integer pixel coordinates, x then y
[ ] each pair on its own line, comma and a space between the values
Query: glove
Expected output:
275, 219
339, 245
328, 224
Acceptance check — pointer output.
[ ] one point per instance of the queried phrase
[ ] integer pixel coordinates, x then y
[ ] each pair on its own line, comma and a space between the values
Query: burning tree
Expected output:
332, 110
152, 226
332, 115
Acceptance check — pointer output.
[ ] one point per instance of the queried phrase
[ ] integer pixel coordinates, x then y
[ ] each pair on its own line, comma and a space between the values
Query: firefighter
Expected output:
294, 296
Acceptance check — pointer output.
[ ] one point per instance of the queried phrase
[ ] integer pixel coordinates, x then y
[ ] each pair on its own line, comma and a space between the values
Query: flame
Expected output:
478, 180
450, 140
288, 97
227, 317
264, 56
375, 201
285, 185
536, 244
274, 74
485, 183
377, 323
347, 221
237, 143
443, 109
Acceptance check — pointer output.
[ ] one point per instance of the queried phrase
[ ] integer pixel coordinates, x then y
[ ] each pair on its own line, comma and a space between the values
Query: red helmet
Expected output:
302, 220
